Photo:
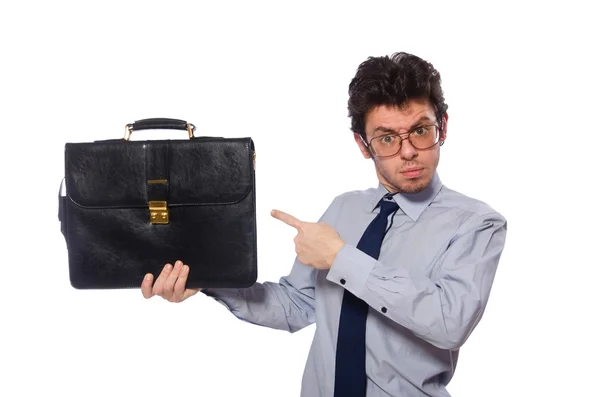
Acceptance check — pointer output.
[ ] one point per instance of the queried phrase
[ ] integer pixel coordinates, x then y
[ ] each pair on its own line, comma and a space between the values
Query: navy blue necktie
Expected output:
350, 373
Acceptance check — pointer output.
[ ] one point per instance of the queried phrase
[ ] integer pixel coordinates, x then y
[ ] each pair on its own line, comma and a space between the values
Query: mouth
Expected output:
412, 173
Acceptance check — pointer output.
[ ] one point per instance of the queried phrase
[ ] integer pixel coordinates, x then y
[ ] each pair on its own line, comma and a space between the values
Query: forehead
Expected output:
398, 118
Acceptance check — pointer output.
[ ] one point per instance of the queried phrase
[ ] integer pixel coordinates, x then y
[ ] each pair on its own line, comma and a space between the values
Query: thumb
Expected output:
147, 286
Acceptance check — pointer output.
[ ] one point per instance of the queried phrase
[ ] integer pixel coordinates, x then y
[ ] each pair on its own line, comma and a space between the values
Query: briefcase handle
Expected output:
159, 124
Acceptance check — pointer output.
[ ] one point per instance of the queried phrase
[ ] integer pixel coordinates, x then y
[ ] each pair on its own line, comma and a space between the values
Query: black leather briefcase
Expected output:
133, 206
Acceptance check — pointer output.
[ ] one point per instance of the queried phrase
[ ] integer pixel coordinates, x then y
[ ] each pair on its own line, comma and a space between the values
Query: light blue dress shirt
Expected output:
426, 292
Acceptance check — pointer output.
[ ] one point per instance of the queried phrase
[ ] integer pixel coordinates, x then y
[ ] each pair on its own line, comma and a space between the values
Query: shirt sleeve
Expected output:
286, 305
442, 310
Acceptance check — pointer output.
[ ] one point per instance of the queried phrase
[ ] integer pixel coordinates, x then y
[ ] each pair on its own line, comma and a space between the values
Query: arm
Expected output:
287, 305
442, 311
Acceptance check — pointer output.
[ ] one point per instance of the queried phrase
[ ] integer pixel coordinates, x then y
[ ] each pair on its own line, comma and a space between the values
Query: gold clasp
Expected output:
159, 214
190, 129
128, 131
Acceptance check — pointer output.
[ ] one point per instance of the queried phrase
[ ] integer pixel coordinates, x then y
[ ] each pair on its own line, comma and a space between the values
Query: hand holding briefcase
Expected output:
133, 206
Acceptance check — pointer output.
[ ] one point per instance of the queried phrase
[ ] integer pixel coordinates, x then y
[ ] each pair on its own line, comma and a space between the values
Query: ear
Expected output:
361, 145
444, 129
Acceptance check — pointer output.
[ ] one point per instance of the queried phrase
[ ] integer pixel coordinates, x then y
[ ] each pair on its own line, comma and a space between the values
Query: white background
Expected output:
522, 86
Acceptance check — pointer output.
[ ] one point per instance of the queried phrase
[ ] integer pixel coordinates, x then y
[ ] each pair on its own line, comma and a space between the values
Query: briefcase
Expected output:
131, 206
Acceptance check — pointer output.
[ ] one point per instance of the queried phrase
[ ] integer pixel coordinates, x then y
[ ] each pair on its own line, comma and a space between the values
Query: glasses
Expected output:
421, 138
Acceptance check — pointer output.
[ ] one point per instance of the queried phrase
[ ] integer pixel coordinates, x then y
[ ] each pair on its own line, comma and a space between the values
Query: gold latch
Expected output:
159, 214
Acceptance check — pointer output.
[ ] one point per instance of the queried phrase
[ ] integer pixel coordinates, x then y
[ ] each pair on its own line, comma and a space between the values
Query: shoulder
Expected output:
354, 197
466, 208
351, 200
451, 198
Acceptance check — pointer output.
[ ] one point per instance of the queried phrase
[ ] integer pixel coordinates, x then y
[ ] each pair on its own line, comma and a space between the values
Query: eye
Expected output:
387, 139
420, 131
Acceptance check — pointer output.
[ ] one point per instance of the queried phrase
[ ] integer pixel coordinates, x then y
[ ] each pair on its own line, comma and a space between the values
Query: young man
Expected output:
395, 277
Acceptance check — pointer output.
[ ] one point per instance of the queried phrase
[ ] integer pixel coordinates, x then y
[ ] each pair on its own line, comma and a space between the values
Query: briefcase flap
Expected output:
126, 174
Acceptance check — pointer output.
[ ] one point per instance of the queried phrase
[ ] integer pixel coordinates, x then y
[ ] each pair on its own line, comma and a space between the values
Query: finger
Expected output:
147, 286
287, 218
179, 290
190, 292
182, 293
160, 281
168, 288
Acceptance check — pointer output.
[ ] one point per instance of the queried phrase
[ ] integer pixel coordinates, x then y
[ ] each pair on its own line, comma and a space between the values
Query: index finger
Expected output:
287, 218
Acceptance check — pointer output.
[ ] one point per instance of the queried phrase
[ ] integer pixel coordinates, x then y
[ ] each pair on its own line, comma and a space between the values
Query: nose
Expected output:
407, 150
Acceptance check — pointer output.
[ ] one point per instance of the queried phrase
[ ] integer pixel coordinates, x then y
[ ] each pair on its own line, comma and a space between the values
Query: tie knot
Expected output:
388, 205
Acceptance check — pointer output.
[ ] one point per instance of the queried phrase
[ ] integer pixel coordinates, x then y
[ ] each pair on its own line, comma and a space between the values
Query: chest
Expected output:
415, 245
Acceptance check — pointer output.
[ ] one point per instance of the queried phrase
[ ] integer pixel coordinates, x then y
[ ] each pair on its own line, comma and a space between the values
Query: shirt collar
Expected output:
412, 204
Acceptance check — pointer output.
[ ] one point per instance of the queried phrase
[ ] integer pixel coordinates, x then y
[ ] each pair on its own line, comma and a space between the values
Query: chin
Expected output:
415, 185
412, 187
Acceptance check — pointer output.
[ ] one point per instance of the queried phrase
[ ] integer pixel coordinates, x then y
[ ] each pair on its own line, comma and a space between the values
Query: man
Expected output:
395, 277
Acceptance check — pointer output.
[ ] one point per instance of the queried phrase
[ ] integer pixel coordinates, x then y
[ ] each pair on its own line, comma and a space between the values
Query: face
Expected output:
410, 170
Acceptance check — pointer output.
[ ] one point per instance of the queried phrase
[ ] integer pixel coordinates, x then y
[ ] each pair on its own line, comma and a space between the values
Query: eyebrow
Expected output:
392, 131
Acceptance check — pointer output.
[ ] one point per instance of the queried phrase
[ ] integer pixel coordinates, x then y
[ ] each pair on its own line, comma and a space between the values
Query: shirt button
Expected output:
343, 281
384, 309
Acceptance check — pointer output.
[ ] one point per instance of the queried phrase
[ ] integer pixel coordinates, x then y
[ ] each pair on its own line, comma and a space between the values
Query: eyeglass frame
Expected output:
407, 133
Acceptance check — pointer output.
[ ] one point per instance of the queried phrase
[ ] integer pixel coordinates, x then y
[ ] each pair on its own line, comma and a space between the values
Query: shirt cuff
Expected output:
351, 269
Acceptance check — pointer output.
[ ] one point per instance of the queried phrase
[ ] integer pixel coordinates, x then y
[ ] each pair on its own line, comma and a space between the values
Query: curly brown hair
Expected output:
392, 81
